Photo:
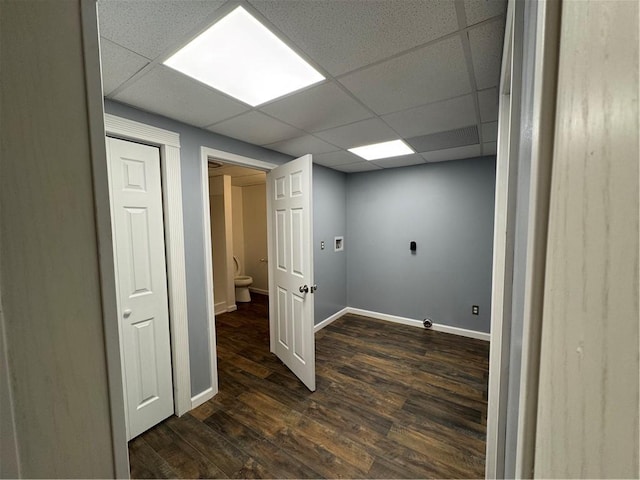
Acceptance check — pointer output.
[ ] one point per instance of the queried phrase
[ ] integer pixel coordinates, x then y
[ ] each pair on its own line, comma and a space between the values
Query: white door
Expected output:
138, 234
291, 271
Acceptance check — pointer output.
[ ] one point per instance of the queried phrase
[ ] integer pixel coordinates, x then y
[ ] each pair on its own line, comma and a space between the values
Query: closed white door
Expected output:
138, 234
291, 271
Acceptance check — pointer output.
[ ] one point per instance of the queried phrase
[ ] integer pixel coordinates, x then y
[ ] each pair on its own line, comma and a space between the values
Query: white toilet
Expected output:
242, 282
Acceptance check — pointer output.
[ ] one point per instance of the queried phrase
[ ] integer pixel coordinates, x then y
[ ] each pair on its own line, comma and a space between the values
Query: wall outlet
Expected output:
322, 245
475, 309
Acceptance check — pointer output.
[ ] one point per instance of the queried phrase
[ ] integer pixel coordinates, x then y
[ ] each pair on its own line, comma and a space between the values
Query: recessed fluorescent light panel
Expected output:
242, 58
394, 148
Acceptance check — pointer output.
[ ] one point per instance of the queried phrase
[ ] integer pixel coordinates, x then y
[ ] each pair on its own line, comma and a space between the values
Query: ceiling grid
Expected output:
394, 69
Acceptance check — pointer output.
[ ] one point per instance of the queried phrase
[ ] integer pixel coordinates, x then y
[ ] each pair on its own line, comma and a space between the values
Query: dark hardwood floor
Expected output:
392, 401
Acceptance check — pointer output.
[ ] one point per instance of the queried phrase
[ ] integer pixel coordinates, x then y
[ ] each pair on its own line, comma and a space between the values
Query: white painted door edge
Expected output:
412, 322
544, 101
169, 143
95, 114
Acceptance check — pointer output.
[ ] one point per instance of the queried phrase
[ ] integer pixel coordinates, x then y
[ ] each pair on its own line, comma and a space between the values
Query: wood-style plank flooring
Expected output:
392, 401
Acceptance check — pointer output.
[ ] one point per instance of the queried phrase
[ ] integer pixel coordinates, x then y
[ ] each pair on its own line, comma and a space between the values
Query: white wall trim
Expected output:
211, 306
437, 327
412, 322
259, 290
169, 144
203, 396
543, 136
125, 128
207, 152
330, 319
96, 120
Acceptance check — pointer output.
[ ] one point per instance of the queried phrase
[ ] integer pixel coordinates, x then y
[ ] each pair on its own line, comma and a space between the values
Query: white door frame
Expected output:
205, 154
169, 144
544, 97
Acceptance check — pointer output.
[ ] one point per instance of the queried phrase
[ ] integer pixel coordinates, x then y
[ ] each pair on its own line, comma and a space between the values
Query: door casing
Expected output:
169, 144
205, 154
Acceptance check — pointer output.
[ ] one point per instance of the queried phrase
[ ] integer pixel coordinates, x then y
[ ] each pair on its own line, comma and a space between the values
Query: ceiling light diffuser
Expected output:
242, 58
394, 148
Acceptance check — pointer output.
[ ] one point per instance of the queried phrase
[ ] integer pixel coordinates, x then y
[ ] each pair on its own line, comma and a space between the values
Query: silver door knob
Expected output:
303, 289
126, 313
314, 288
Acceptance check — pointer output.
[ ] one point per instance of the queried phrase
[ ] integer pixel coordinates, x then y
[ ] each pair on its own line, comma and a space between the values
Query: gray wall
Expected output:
191, 139
329, 221
447, 208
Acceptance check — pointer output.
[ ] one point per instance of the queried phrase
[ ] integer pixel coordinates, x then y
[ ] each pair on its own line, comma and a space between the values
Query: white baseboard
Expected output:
259, 290
202, 397
330, 319
437, 327
222, 307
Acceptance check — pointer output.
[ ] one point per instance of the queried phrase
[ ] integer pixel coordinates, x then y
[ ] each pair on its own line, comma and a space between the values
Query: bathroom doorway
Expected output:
238, 213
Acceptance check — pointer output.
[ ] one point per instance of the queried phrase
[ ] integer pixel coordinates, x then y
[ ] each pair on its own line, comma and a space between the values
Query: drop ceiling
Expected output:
240, 176
425, 71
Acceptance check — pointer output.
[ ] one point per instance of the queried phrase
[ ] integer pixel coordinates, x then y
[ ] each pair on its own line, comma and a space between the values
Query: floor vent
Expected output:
443, 140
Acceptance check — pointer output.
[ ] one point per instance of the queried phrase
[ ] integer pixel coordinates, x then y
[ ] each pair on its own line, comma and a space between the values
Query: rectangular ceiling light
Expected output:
242, 58
394, 148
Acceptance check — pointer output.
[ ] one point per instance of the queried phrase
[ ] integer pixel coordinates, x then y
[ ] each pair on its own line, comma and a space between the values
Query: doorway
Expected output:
238, 213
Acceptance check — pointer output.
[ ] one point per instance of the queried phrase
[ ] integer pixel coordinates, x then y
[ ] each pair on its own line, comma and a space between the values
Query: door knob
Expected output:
126, 313
314, 288
303, 289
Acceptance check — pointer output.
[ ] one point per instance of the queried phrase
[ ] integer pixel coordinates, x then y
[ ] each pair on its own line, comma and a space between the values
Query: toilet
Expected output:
242, 282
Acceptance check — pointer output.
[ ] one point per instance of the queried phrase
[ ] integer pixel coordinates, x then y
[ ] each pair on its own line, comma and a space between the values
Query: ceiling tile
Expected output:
318, 108
468, 151
344, 35
357, 134
488, 101
303, 145
169, 93
447, 139
402, 161
426, 75
489, 148
341, 157
489, 132
486, 53
255, 127
118, 65
357, 167
435, 117
480, 10
149, 27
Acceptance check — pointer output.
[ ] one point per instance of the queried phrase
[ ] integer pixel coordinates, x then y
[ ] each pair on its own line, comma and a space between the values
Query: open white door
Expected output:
291, 287
143, 312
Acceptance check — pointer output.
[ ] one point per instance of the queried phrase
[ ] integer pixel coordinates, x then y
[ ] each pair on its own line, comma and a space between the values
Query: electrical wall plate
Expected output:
338, 244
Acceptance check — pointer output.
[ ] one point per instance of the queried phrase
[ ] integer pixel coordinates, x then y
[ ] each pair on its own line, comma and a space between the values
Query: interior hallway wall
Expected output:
329, 221
218, 243
254, 198
50, 266
447, 208
191, 139
237, 219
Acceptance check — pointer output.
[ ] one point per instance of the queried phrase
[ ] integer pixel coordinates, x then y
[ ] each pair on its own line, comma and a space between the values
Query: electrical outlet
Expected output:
322, 245
475, 310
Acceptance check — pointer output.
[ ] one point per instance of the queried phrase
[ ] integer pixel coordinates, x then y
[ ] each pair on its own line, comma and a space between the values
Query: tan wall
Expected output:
51, 295
238, 225
219, 242
588, 397
255, 234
